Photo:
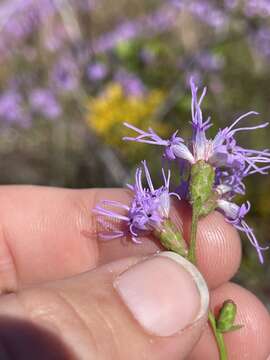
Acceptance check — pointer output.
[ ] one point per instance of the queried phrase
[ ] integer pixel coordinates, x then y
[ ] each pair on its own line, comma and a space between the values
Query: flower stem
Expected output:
192, 258
219, 337
193, 233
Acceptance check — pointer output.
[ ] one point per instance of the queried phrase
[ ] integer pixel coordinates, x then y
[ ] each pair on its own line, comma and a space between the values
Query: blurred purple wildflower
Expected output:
97, 71
204, 10
209, 62
65, 74
208, 13
261, 41
12, 110
18, 19
257, 8
148, 209
231, 4
131, 84
149, 25
125, 31
44, 102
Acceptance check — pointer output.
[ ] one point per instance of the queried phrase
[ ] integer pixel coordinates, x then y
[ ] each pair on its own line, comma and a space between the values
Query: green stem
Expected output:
192, 245
219, 337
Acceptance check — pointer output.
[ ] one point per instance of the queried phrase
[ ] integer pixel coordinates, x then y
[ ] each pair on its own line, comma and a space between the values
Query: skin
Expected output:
56, 275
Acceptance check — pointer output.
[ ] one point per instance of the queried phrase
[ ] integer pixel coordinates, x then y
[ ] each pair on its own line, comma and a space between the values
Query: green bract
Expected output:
201, 187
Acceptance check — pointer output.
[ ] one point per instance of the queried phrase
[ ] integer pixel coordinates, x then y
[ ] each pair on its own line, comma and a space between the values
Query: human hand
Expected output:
49, 234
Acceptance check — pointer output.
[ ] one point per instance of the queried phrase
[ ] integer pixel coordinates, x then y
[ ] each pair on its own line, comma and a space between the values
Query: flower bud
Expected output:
226, 317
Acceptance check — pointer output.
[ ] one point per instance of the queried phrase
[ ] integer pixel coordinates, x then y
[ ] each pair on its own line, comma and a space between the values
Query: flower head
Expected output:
222, 151
147, 211
229, 163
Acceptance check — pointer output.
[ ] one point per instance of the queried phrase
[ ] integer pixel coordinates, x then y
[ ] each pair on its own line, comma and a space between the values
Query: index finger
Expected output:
50, 233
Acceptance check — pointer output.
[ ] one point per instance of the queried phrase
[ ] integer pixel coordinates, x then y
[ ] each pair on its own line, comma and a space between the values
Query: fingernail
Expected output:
164, 293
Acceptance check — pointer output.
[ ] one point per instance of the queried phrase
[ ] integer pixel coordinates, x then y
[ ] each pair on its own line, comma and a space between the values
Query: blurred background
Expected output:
71, 71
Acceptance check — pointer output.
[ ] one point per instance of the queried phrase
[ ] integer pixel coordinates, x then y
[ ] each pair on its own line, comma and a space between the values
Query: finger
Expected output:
250, 342
49, 233
218, 246
124, 310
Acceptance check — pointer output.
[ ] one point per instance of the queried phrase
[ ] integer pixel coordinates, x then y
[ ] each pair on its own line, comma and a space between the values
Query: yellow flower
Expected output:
107, 112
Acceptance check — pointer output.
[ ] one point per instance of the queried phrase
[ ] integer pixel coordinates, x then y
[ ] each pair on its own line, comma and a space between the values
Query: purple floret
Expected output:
235, 215
147, 211
152, 138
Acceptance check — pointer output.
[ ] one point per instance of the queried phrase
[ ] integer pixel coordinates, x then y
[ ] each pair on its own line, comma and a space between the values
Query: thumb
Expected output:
151, 308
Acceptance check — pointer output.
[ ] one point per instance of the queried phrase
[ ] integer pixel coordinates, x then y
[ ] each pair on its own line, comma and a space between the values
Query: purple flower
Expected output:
261, 41
65, 74
44, 102
12, 110
235, 215
209, 62
231, 162
97, 71
205, 11
20, 18
149, 25
148, 209
123, 32
208, 13
257, 8
231, 4
131, 84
